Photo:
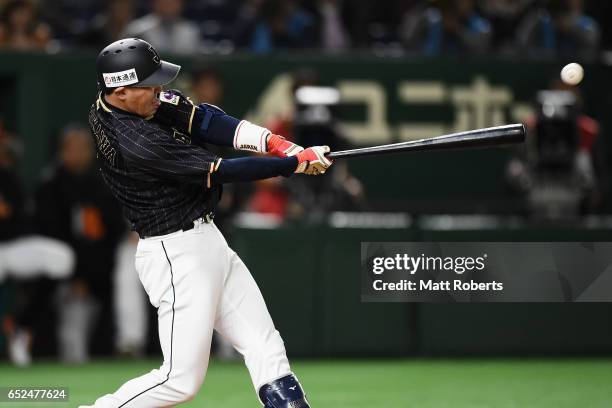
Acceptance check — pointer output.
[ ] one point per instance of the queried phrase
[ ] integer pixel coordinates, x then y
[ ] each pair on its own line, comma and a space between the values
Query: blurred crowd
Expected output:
537, 28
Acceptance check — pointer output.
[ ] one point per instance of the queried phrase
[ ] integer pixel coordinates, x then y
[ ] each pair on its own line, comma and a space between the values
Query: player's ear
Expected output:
121, 93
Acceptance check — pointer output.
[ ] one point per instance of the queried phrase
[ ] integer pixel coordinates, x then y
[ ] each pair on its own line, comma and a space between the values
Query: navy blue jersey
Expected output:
160, 178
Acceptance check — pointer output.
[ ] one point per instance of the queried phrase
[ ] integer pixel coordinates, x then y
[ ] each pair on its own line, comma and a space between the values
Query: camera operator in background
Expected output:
315, 122
560, 174
311, 118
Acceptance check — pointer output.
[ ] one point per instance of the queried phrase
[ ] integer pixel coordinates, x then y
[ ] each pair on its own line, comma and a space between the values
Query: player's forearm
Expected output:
253, 168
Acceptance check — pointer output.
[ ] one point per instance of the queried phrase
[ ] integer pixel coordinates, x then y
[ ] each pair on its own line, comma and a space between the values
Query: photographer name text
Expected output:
414, 264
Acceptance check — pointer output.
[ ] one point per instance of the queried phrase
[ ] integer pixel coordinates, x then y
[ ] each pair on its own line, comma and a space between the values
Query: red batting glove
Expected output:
280, 147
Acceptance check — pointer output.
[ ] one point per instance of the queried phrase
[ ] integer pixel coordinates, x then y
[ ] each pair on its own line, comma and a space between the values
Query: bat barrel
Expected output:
480, 138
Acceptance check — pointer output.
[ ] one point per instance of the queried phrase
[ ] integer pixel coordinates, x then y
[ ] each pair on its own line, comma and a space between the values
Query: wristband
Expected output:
250, 137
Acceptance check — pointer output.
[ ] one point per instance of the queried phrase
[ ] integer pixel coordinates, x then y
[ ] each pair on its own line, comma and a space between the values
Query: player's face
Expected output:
142, 101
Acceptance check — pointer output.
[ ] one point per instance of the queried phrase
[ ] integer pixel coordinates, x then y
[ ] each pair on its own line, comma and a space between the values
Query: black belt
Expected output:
206, 218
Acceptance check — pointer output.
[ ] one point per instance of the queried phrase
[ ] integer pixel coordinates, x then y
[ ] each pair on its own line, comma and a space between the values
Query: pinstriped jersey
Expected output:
160, 178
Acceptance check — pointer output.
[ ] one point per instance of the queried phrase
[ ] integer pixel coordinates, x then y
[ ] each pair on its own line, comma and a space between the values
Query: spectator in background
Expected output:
68, 18
215, 19
270, 198
32, 264
247, 18
373, 23
166, 29
20, 27
505, 15
535, 34
559, 27
284, 24
577, 33
12, 196
207, 85
108, 25
450, 27
73, 205
332, 32
417, 23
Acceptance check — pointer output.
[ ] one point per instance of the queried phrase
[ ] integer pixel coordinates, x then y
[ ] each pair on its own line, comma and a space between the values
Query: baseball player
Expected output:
151, 145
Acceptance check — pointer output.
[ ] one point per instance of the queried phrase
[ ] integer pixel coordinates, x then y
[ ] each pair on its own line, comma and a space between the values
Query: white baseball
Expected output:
572, 74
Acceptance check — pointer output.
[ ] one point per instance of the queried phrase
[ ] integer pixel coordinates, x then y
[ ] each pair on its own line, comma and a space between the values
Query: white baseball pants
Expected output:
198, 284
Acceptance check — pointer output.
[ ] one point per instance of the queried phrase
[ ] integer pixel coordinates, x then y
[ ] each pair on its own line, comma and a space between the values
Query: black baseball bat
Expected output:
487, 137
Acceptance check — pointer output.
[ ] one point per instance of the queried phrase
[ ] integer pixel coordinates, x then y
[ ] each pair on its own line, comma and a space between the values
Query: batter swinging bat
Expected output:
493, 136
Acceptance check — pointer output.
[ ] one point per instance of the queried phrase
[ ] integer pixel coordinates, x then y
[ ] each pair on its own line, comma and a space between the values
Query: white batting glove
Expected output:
312, 161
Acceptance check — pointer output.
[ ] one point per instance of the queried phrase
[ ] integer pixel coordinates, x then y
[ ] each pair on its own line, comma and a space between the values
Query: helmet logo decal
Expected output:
121, 78
155, 56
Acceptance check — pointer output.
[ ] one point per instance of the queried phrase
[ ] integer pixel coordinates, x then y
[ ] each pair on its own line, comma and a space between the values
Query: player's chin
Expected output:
147, 113
153, 110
